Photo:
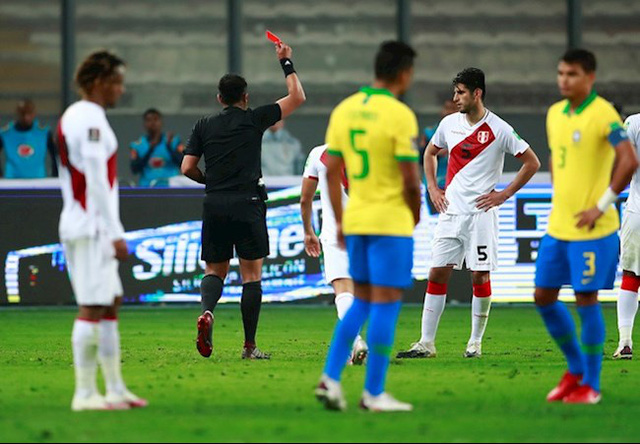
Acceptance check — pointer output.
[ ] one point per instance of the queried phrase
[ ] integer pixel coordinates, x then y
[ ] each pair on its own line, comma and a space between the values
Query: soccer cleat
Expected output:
329, 393
419, 350
583, 395
95, 402
128, 398
474, 350
384, 402
204, 342
568, 384
254, 353
359, 353
623, 352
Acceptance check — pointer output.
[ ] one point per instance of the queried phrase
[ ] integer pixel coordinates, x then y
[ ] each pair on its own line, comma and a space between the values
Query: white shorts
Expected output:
93, 271
336, 262
630, 242
471, 237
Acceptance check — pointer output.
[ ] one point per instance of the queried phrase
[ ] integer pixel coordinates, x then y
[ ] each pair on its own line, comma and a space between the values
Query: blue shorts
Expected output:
587, 266
384, 261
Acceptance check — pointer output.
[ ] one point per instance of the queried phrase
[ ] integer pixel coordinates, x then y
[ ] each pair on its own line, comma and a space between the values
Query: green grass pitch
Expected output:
498, 398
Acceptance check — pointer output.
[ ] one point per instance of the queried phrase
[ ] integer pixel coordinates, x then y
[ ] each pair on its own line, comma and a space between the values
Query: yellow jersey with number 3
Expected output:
373, 131
582, 153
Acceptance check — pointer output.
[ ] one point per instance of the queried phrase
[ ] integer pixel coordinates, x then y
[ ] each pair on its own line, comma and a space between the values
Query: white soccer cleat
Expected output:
419, 350
474, 350
329, 393
384, 402
128, 399
359, 353
624, 352
95, 402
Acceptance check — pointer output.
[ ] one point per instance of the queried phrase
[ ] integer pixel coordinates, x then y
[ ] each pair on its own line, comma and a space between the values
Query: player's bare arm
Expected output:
311, 242
296, 96
334, 177
411, 184
190, 168
436, 194
530, 165
626, 164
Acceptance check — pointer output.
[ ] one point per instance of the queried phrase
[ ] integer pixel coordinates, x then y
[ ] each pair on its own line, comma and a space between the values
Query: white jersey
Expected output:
476, 157
316, 169
88, 148
633, 130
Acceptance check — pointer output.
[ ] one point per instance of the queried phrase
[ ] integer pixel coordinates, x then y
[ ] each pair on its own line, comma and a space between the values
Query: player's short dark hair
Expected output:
472, 78
151, 111
392, 58
582, 57
231, 88
98, 65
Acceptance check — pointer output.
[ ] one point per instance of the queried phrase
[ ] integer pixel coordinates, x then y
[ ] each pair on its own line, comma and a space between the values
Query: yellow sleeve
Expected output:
405, 136
612, 126
332, 138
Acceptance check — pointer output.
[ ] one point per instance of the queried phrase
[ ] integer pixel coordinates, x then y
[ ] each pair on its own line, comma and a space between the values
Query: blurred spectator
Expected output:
281, 152
25, 142
156, 156
441, 174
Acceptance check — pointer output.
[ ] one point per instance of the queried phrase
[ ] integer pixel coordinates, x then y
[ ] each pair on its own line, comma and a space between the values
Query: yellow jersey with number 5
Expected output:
582, 153
373, 131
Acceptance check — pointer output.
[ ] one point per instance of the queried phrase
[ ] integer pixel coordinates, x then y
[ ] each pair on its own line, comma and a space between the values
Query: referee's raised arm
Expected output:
296, 96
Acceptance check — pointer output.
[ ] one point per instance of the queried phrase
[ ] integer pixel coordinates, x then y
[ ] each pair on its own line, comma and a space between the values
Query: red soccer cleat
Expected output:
583, 395
204, 342
568, 384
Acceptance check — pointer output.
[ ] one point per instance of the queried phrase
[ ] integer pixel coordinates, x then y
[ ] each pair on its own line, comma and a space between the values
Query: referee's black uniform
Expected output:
234, 213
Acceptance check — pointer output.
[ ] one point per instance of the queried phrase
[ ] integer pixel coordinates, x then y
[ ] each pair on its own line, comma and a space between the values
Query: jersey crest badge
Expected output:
94, 135
483, 136
576, 136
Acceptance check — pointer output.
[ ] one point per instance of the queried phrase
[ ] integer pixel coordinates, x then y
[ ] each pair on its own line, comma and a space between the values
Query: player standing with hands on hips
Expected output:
592, 161
467, 231
91, 232
234, 212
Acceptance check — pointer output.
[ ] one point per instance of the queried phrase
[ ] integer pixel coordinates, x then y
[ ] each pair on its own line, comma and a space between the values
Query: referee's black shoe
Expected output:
254, 353
204, 342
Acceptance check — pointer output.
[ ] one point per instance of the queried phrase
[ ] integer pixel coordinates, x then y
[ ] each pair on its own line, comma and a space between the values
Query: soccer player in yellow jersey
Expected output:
374, 135
592, 161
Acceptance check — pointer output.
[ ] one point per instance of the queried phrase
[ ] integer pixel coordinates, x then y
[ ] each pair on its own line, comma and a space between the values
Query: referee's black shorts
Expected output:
234, 220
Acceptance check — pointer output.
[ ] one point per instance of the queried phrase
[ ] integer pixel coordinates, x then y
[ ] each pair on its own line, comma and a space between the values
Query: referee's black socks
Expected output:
250, 307
211, 291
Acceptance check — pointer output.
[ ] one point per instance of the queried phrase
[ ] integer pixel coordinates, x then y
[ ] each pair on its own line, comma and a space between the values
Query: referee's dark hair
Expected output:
472, 78
582, 57
392, 58
231, 88
98, 65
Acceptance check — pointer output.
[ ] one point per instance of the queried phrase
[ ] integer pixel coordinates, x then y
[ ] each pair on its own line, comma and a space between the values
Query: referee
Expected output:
234, 212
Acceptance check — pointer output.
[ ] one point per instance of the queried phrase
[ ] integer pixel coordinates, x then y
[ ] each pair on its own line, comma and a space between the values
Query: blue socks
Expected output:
343, 337
382, 328
562, 329
593, 334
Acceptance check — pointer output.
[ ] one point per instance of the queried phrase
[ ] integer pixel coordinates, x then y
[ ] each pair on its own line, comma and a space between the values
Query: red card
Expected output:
274, 38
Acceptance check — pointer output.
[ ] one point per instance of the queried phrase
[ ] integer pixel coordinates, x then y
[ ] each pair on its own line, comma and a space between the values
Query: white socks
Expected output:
434, 302
84, 341
343, 303
109, 356
627, 309
480, 308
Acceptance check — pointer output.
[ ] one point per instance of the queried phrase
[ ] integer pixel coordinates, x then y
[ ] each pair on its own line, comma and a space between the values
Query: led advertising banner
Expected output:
164, 240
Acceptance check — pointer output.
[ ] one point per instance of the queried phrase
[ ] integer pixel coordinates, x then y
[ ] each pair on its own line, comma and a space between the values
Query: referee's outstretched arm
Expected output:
296, 96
